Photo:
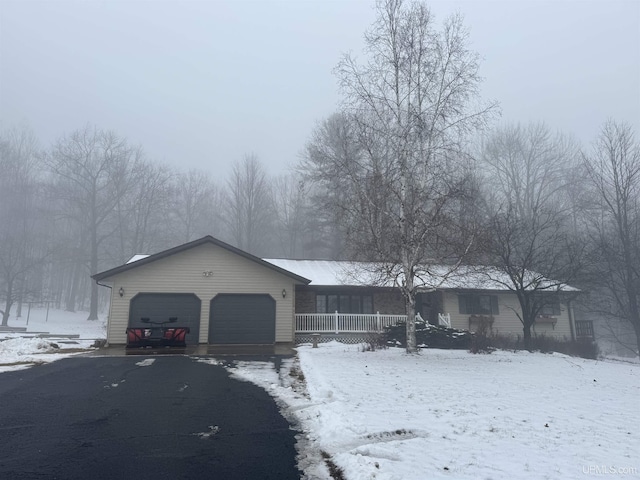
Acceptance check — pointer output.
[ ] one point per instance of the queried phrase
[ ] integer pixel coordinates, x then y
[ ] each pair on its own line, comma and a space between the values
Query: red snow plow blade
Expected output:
157, 335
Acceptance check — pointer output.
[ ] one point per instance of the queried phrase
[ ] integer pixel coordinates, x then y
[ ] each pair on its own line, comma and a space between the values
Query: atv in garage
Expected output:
158, 334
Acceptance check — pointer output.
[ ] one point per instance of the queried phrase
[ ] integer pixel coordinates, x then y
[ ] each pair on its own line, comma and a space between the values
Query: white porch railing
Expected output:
344, 322
444, 319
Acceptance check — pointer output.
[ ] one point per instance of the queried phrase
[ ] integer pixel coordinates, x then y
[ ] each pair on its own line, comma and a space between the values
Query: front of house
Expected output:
462, 302
226, 296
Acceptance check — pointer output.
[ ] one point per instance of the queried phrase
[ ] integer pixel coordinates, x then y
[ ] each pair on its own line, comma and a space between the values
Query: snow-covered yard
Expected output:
451, 414
23, 349
440, 414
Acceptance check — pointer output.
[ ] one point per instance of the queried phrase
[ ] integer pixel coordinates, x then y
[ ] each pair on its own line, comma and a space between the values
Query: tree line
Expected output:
93, 199
413, 172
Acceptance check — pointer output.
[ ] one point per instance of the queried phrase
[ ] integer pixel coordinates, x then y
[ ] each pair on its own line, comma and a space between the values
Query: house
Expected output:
229, 297
223, 294
462, 299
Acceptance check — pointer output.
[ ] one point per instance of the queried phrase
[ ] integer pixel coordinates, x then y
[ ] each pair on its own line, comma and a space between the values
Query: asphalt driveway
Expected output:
114, 418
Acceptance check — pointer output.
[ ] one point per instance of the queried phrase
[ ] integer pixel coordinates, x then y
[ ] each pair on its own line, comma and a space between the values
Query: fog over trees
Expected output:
413, 169
613, 168
93, 199
527, 234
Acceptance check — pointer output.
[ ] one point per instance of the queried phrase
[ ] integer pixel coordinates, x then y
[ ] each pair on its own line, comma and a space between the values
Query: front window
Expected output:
328, 303
551, 308
321, 304
476, 304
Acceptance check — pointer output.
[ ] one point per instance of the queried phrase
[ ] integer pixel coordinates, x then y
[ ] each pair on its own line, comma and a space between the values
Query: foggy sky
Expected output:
199, 84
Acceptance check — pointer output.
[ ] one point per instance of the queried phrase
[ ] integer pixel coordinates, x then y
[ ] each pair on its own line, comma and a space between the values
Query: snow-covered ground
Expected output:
440, 414
20, 350
455, 415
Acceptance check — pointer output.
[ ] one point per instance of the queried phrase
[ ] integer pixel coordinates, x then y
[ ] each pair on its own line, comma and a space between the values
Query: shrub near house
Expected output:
482, 341
429, 336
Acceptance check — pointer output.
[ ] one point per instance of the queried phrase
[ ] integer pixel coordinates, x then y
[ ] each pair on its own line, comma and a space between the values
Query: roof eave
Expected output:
187, 246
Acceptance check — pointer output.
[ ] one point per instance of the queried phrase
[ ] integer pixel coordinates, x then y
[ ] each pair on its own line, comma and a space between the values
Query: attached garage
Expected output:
242, 319
160, 307
223, 294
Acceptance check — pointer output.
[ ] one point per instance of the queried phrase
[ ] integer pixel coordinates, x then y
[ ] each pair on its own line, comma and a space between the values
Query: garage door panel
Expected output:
242, 319
159, 307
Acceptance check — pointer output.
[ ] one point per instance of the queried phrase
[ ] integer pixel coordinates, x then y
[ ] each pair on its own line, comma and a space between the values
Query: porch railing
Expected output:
584, 329
444, 320
345, 322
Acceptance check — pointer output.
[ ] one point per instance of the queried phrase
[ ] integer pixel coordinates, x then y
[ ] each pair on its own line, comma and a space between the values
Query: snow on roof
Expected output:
137, 257
491, 278
341, 273
358, 274
329, 272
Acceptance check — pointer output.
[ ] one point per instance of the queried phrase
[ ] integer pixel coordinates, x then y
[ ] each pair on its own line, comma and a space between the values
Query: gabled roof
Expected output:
139, 260
352, 274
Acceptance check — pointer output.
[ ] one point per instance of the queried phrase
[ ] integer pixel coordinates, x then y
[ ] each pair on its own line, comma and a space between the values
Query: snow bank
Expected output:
17, 348
20, 353
23, 349
451, 414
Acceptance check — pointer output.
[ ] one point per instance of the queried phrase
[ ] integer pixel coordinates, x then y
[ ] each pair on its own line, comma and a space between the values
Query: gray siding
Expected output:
183, 273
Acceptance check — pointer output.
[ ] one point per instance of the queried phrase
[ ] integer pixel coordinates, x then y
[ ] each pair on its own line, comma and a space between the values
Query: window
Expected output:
332, 303
551, 308
344, 303
367, 304
321, 304
475, 304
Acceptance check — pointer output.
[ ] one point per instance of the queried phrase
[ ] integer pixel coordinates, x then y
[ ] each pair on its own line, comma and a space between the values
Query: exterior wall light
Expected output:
121, 292
284, 293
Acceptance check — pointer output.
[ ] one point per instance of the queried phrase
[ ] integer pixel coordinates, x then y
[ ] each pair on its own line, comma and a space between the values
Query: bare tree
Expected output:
531, 247
93, 173
143, 212
614, 169
195, 205
527, 166
410, 108
332, 145
23, 225
248, 210
290, 199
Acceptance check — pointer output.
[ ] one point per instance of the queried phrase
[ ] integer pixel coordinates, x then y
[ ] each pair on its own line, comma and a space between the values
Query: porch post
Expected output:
571, 321
336, 318
378, 321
